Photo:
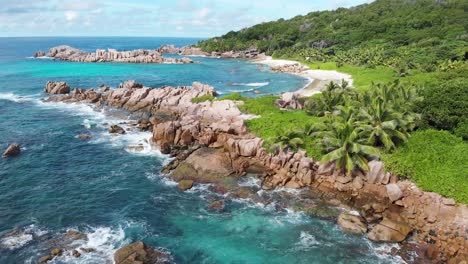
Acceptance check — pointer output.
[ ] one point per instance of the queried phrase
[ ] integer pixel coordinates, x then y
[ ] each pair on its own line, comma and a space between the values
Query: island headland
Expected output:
210, 143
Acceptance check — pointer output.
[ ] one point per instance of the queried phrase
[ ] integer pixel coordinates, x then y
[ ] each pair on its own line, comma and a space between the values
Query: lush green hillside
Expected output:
415, 31
409, 62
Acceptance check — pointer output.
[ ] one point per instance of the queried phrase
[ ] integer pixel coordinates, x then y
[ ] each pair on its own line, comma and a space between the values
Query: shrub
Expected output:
445, 105
435, 160
202, 99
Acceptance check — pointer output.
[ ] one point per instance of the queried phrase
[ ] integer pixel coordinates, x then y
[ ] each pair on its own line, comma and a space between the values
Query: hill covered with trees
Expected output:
423, 31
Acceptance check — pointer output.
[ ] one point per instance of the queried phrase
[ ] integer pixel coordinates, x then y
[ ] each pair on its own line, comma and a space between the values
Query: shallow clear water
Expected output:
115, 196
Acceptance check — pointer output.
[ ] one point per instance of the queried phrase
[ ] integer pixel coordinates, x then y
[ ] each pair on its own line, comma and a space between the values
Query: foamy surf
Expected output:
254, 84
16, 98
40, 58
20, 238
102, 243
133, 141
384, 252
306, 241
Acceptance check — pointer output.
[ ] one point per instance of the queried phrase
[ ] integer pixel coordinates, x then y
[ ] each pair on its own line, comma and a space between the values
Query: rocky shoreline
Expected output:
210, 144
67, 53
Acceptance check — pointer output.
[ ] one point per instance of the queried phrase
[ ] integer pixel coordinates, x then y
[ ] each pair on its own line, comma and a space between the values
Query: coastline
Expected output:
317, 79
390, 208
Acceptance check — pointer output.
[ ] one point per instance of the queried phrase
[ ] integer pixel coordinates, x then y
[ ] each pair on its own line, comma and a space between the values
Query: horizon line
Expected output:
90, 36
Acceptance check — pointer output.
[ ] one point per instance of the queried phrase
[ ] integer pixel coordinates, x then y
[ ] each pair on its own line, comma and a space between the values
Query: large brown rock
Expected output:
352, 224
205, 165
39, 53
57, 88
12, 150
376, 173
140, 253
184, 185
243, 147
394, 192
130, 84
115, 129
389, 231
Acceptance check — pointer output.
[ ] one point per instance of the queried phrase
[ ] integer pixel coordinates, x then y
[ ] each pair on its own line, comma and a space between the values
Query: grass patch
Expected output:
273, 120
436, 161
202, 99
362, 76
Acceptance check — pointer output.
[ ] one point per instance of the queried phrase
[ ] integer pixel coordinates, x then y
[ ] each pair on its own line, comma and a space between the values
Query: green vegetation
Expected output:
340, 135
203, 98
357, 123
445, 106
279, 127
396, 33
435, 160
409, 62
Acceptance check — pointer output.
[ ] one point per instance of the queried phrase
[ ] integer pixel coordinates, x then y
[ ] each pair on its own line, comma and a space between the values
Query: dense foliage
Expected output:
399, 33
445, 106
357, 123
422, 44
435, 160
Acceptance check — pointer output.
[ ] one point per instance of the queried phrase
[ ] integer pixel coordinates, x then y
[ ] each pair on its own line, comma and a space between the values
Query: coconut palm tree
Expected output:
287, 139
385, 117
341, 137
333, 95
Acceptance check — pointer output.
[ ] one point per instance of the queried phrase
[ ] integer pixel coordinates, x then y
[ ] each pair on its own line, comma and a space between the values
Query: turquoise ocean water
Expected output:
115, 196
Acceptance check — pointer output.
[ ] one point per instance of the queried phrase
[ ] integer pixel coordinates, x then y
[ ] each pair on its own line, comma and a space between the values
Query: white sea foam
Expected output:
104, 240
254, 84
384, 251
16, 241
16, 98
250, 182
291, 217
21, 238
306, 241
40, 58
133, 141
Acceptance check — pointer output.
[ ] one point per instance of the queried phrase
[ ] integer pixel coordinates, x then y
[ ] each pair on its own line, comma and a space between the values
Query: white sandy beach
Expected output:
318, 78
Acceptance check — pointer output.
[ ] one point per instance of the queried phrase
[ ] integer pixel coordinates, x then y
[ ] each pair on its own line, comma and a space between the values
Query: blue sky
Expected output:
191, 18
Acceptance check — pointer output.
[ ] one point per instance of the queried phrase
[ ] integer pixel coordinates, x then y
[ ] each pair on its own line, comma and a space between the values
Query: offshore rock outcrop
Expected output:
12, 150
67, 53
211, 144
57, 88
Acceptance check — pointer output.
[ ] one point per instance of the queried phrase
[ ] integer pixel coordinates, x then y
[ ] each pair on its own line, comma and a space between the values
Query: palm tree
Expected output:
341, 136
287, 139
333, 95
385, 119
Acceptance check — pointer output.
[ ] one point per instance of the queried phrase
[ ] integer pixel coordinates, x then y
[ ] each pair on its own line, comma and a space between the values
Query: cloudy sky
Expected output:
191, 18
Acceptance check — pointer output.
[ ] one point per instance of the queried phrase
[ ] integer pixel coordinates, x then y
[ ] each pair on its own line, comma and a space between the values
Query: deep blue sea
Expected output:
116, 196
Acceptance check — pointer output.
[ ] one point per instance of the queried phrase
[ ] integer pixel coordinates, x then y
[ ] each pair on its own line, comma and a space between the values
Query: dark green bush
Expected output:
435, 160
445, 105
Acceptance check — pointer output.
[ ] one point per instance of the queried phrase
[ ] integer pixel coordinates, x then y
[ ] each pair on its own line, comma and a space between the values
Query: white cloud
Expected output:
71, 15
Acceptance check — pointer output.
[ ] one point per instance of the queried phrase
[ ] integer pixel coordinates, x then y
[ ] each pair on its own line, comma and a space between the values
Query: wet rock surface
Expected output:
57, 88
12, 150
141, 253
352, 224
